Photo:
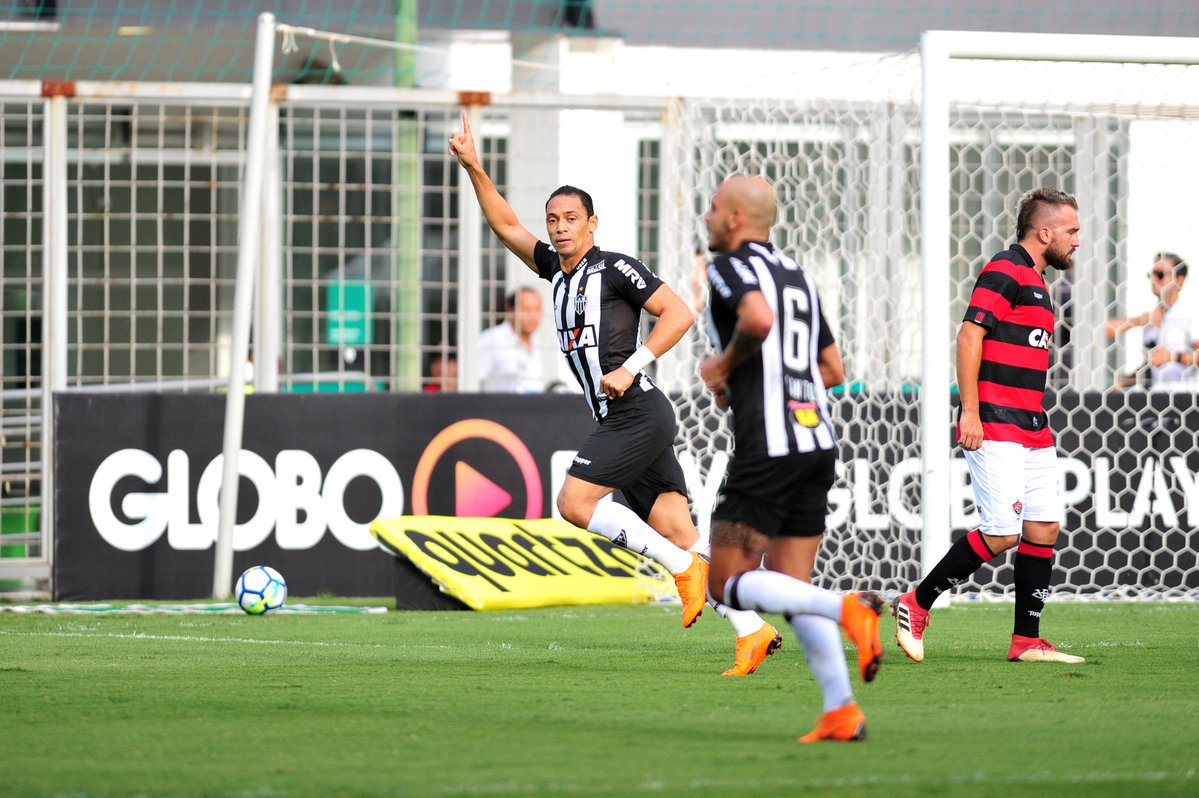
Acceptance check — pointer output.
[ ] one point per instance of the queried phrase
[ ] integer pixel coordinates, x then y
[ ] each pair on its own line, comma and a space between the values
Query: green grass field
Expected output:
590, 701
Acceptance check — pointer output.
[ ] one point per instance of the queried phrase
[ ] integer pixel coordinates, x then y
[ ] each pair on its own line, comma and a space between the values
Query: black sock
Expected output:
964, 557
1034, 569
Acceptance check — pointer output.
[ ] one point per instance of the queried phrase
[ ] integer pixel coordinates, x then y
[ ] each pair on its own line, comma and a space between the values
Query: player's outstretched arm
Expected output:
496, 210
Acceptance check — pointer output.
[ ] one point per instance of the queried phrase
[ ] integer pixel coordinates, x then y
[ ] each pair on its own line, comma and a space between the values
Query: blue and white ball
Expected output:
260, 589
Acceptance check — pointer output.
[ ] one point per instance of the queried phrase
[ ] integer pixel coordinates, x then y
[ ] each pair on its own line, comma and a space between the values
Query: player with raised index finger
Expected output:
598, 297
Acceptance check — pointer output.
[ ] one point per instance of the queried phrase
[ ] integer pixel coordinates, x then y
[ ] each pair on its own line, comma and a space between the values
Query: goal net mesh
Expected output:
844, 156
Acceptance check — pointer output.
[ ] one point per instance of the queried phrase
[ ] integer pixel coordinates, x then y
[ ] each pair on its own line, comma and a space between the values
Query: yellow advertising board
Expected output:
506, 563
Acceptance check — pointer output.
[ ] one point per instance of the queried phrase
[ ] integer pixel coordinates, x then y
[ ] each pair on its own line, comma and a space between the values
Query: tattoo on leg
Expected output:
738, 534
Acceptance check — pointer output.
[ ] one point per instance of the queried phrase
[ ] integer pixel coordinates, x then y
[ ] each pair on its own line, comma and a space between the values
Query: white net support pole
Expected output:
470, 268
250, 219
54, 374
268, 325
934, 254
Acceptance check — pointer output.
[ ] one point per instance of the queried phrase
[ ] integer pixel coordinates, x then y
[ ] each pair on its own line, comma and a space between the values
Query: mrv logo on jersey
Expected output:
631, 273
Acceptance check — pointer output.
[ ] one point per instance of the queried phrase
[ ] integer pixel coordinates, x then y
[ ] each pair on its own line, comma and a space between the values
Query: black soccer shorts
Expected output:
633, 451
779, 496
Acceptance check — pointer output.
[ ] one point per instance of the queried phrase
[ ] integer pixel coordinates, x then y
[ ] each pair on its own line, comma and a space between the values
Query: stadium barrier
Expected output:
138, 476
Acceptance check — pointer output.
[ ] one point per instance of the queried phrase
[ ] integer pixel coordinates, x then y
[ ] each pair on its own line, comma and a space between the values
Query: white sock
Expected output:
770, 591
621, 525
744, 622
821, 641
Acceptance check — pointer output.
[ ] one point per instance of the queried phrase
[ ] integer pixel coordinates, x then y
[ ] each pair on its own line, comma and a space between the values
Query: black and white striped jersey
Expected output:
597, 313
777, 396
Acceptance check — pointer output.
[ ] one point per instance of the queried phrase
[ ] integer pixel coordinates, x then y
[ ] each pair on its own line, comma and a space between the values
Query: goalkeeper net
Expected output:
844, 155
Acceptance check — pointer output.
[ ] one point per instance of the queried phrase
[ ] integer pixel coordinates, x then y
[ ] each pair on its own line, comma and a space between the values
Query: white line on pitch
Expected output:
206, 639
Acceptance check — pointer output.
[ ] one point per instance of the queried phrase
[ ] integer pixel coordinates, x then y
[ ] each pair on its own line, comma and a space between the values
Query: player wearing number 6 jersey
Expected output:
598, 299
776, 357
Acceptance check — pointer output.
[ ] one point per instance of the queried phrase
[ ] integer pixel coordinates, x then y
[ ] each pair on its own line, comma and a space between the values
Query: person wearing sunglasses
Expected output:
1170, 329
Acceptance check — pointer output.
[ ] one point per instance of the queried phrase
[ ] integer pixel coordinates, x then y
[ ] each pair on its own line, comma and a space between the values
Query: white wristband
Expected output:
639, 359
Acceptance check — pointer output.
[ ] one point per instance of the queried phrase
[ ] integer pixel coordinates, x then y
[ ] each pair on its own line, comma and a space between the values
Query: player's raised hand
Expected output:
462, 145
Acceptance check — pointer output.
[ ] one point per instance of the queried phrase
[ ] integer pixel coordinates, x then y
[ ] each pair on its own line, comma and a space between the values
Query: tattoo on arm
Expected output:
740, 347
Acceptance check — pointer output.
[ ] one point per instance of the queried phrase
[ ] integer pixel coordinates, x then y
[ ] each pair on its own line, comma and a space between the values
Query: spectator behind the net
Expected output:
1171, 329
509, 358
443, 374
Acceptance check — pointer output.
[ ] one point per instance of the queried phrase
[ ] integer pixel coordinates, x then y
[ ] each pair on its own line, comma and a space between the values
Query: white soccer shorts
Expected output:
1013, 484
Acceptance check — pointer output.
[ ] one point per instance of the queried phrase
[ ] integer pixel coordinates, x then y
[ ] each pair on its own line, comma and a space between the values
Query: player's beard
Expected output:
1059, 259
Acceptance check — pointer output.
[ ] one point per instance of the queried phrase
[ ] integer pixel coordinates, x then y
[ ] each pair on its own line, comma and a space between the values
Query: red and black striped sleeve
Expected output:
995, 294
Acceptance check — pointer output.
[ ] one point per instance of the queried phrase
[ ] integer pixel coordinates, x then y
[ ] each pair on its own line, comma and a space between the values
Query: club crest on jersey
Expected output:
576, 338
1018, 507
580, 304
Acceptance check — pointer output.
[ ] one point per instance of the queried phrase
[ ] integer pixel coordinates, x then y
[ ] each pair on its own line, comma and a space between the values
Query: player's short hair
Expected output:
1177, 264
573, 191
1033, 202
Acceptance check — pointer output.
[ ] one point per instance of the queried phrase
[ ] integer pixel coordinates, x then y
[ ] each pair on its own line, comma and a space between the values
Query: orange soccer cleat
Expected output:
692, 585
859, 619
753, 648
843, 724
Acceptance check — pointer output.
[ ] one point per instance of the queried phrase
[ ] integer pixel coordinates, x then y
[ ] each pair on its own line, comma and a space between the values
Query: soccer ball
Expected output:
260, 589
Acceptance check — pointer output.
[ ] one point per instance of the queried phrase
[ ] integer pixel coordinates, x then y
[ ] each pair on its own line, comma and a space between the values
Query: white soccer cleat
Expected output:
1038, 649
910, 622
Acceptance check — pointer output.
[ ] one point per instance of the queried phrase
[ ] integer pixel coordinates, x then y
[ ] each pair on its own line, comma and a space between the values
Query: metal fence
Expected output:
123, 272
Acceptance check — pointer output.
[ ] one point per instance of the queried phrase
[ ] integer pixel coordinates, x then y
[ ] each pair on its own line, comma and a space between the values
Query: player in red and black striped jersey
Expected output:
1002, 363
1012, 309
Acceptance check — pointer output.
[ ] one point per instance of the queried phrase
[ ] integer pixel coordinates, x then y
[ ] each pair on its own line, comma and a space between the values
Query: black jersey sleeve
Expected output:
730, 279
825, 336
546, 260
631, 278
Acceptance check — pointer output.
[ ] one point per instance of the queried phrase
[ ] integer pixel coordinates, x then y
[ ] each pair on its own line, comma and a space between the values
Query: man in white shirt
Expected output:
509, 360
1171, 330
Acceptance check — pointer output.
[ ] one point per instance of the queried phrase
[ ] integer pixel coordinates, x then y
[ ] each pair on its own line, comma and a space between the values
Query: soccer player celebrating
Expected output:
1003, 356
598, 298
776, 357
